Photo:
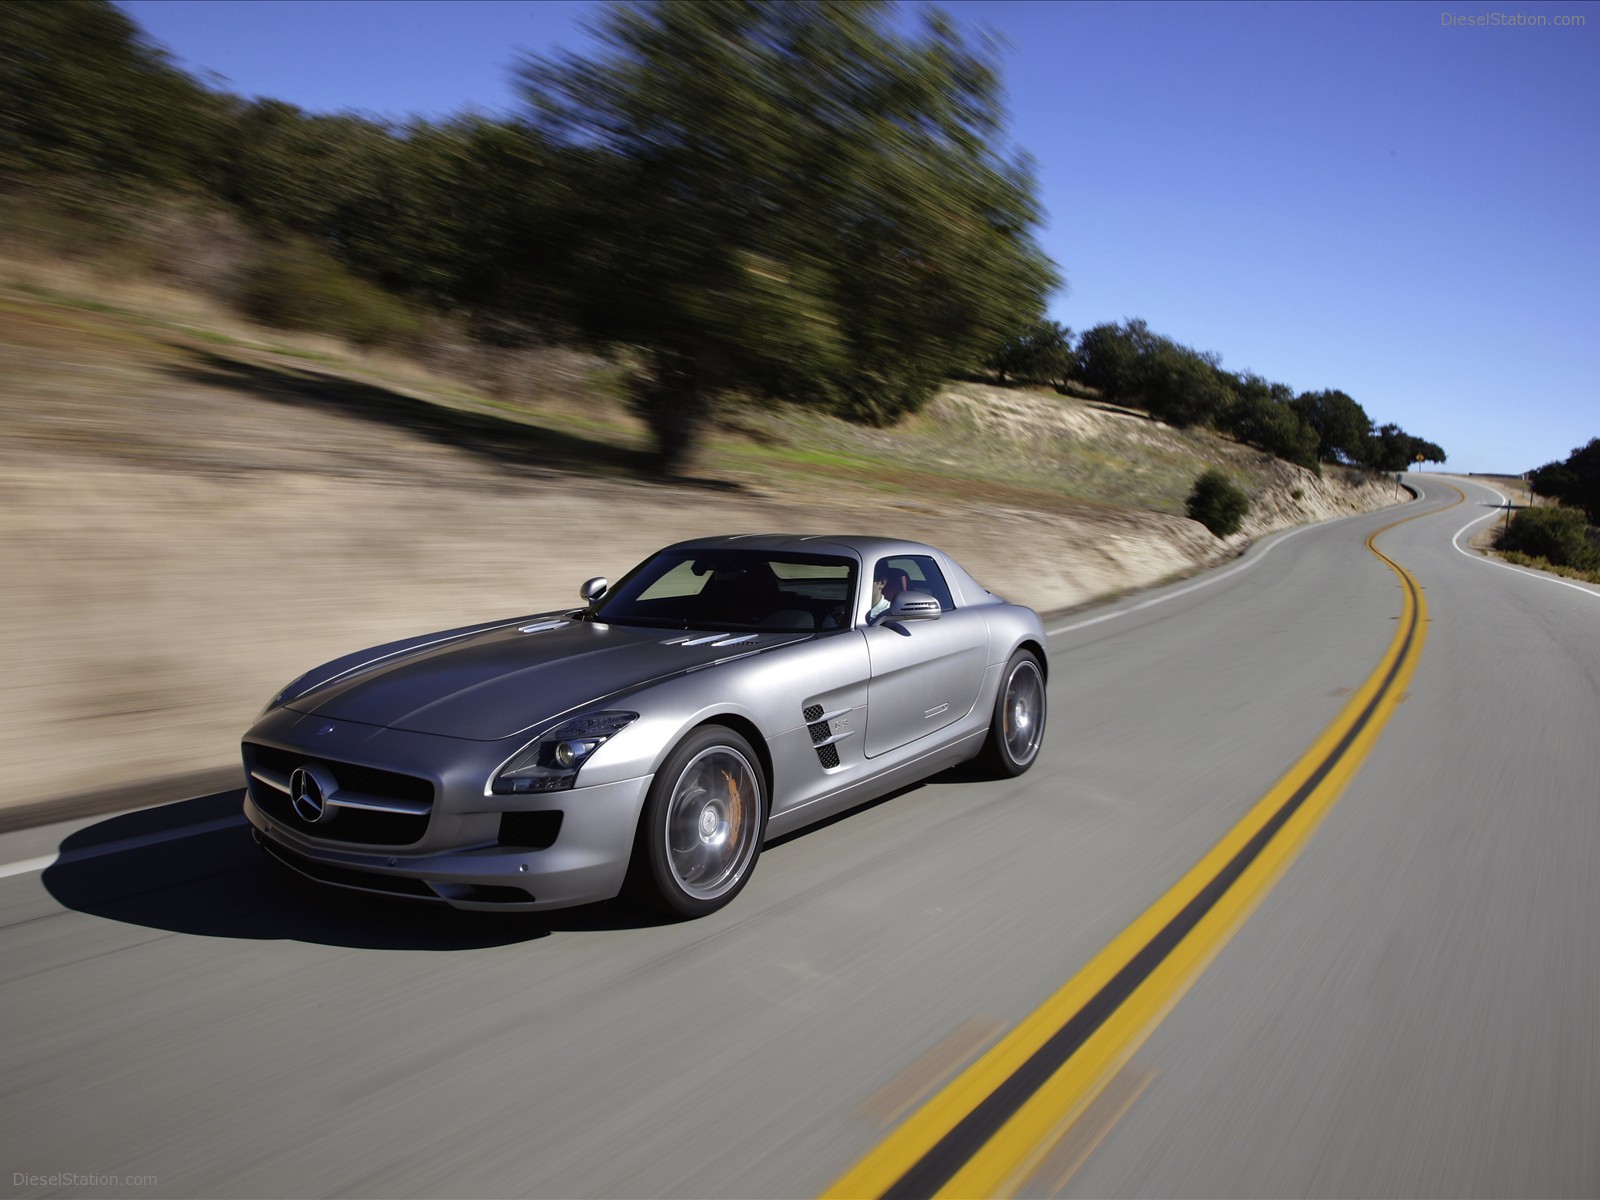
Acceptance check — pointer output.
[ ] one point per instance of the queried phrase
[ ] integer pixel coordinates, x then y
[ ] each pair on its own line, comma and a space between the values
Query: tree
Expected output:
1263, 415
1132, 365
1110, 359
1185, 387
507, 258
83, 95
1575, 482
290, 171
1342, 426
798, 201
1393, 449
1041, 353
1552, 480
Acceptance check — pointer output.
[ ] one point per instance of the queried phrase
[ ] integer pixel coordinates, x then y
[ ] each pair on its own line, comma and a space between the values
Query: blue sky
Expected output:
1382, 198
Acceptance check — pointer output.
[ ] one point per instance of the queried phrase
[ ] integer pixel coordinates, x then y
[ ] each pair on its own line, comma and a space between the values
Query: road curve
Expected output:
1411, 1010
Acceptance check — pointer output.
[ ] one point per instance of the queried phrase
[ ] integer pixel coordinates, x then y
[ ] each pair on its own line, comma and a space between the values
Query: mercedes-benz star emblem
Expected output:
309, 789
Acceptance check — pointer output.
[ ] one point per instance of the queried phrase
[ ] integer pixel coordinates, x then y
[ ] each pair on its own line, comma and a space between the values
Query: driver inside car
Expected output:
887, 583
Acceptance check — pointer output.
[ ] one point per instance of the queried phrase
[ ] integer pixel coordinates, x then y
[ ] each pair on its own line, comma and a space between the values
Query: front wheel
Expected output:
1017, 729
700, 834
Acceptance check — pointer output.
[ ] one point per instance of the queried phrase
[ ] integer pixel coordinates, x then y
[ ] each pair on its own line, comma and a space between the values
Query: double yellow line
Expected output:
987, 1131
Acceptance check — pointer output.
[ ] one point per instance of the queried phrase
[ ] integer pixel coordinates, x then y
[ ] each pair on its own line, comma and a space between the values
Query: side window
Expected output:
928, 579
914, 573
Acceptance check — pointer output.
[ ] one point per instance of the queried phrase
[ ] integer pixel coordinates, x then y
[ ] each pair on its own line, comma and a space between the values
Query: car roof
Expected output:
853, 545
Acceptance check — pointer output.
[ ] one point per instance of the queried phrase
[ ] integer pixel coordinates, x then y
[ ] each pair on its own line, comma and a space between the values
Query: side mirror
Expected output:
913, 606
593, 589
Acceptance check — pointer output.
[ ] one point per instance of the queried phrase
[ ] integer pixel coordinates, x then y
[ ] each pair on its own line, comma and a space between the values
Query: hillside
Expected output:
195, 510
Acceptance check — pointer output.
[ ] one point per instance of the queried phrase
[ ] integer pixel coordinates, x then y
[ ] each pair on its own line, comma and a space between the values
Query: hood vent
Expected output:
542, 626
714, 639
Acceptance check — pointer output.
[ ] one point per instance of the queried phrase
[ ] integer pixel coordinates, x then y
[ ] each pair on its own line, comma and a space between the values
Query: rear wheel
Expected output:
1017, 728
703, 820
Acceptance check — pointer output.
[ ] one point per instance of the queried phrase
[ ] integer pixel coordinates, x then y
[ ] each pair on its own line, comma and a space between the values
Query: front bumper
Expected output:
587, 862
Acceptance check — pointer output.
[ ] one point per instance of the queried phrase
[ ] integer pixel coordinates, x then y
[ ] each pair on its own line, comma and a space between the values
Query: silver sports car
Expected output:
726, 691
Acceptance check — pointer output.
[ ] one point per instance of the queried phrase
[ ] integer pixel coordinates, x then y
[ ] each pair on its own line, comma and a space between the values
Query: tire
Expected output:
1017, 729
703, 821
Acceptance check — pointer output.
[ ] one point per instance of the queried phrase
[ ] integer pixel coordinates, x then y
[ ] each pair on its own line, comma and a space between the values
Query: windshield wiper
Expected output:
647, 622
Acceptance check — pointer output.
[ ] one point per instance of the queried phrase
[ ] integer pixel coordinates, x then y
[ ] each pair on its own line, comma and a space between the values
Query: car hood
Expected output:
503, 681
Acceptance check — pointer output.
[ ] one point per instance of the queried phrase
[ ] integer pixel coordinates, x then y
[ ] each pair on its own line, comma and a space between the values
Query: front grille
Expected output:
359, 825
374, 782
347, 825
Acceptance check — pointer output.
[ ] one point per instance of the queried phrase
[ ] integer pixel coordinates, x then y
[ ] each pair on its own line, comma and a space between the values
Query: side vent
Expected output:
823, 739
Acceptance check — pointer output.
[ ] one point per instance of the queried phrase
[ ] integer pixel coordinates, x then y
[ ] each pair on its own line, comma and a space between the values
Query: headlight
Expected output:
550, 763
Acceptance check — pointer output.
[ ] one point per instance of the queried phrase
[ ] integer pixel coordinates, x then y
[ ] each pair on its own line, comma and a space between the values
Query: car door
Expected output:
925, 674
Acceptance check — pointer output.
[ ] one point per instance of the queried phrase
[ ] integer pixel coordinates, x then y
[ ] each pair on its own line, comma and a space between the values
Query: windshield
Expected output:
733, 589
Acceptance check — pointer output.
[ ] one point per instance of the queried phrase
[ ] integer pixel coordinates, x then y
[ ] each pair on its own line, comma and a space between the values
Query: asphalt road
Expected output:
1413, 1009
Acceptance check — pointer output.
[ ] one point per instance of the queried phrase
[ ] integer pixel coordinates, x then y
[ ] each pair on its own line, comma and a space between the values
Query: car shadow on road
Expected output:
967, 772
192, 867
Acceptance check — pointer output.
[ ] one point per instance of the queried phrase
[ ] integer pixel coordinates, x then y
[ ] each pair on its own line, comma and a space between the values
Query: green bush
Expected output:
1218, 504
292, 285
1557, 535
1517, 559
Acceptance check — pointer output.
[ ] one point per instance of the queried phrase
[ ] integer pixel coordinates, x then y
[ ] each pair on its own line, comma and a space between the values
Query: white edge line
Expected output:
1505, 566
1193, 587
27, 865
119, 847
1266, 549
